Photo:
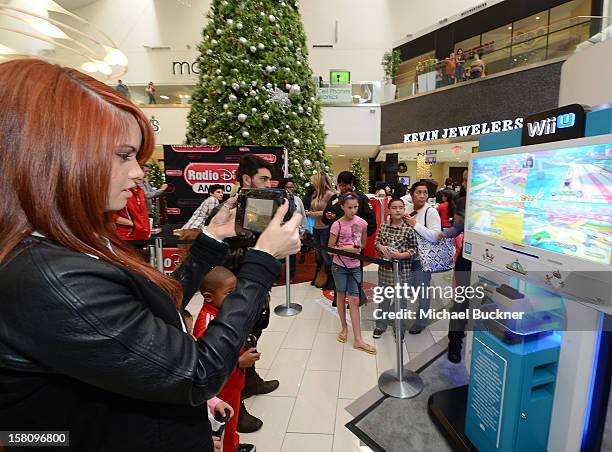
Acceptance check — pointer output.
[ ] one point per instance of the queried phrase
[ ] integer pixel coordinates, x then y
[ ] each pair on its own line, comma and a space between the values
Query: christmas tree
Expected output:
357, 170
156, 179
255, 85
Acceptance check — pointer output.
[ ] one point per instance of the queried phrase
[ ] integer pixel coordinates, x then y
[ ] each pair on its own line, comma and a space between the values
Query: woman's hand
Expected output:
441, 235
221, 407
217, 444
281, 240
223, 224
383, 250
410, 221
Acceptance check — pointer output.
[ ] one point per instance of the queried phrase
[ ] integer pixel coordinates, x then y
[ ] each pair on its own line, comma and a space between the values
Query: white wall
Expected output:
585, 76
352, 125
172, 123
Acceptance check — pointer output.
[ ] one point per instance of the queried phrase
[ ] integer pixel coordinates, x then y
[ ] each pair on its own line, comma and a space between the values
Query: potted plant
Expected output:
390, 63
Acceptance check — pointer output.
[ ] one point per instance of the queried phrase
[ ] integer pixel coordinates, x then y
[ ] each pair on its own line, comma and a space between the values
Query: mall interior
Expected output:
503, 108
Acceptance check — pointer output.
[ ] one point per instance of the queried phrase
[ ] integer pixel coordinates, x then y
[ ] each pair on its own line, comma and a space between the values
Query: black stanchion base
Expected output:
447, 410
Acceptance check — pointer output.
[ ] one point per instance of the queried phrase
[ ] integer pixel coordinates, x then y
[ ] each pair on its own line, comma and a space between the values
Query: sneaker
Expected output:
247, 423
244, 447
256, 385
377, 333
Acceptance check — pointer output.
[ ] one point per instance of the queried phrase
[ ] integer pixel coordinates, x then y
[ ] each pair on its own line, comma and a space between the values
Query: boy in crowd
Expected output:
197, 220
215, 287
395, 240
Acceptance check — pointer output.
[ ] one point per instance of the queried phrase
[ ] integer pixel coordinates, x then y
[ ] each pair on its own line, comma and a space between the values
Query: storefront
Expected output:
434, 134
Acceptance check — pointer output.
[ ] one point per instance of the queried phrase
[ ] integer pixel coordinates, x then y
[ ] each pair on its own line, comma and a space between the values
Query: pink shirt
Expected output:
349, 233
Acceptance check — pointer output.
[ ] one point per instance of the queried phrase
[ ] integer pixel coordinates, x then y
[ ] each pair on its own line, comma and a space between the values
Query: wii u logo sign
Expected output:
550, 125
564, 123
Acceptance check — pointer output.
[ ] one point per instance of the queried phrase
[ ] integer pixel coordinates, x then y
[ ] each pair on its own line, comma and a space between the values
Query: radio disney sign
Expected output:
200, 176
564, 123
191, 169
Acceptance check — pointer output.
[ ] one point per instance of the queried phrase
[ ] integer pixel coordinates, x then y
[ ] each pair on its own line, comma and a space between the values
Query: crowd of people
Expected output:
93, 339
456, 70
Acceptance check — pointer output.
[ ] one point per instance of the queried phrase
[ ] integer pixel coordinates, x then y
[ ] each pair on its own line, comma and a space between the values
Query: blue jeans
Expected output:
422, 279
321, 238
347, 280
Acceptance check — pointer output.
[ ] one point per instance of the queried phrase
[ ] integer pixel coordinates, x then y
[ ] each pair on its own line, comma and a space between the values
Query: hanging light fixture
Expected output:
44, 29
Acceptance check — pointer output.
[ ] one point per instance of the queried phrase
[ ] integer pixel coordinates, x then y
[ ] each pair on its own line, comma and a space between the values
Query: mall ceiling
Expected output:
71, 5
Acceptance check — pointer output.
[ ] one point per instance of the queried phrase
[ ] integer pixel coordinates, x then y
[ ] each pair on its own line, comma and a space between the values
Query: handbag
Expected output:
436, 257
321, 279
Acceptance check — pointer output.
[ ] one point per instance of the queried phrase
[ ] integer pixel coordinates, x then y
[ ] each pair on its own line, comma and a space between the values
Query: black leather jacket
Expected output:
91, 348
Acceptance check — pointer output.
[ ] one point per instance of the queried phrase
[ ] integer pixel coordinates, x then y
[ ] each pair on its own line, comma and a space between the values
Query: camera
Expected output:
255, 207
251, 342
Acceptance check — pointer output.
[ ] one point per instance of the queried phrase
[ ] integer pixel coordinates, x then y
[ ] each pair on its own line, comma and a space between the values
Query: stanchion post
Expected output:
159, 253
400, 383
152, 256
288, 309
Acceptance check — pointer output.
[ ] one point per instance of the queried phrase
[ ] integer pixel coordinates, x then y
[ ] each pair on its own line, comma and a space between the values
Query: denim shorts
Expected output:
347, 279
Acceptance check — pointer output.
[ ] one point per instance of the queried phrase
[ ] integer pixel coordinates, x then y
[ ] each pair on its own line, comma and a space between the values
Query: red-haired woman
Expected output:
91, 339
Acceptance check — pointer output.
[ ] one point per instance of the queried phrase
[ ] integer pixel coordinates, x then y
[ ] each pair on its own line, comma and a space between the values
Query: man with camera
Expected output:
254, 172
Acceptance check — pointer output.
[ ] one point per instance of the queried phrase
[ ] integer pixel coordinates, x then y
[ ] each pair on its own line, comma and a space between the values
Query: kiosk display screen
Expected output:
558, 200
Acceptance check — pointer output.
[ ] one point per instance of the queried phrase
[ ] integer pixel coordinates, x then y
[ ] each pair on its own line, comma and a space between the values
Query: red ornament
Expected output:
286, 81
213, 93
277, 33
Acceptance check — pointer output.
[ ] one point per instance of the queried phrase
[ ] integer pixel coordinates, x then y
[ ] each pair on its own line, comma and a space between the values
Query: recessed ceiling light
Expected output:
537, 17
509, 28
341, 155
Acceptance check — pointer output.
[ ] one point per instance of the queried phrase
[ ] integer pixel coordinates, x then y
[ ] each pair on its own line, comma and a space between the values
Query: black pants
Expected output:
463, 276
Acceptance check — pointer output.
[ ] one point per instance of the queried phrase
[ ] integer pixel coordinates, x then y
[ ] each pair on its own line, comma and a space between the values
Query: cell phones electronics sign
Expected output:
191, 170
564, 123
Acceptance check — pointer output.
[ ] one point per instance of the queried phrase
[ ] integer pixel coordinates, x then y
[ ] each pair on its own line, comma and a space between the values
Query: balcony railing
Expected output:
560, 39
360, 93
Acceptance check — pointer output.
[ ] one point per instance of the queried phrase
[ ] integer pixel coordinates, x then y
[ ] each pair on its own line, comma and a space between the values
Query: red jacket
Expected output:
135, 210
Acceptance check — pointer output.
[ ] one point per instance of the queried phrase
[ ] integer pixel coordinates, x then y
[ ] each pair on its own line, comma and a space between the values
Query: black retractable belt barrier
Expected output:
399, 382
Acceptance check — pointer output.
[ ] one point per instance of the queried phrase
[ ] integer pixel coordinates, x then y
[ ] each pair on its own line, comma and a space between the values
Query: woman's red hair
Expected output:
58, 131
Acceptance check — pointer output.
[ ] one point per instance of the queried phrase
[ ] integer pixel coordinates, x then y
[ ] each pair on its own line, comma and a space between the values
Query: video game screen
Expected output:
558, 200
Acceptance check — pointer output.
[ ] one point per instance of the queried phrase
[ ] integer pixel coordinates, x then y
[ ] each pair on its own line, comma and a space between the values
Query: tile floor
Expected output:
318, 376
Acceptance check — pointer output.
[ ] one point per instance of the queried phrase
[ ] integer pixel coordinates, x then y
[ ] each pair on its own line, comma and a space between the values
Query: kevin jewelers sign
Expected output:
464, 131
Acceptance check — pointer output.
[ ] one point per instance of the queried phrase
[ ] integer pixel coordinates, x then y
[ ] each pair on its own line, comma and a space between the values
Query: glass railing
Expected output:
559, 39
331, 95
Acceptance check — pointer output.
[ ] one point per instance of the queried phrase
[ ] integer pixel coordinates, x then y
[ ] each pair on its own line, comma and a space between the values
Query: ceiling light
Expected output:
115, 57
103, 67
90, 67
47, 28
341, 155
4, 50
509, 28
165, 97
537, 17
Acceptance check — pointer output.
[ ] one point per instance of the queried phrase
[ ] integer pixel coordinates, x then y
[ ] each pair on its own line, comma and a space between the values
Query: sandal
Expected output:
342, 336
366, 348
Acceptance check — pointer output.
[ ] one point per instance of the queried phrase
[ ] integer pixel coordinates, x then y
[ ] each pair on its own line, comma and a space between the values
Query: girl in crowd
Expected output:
350, 234
91, 336
426, 222
321, 196
446, 209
